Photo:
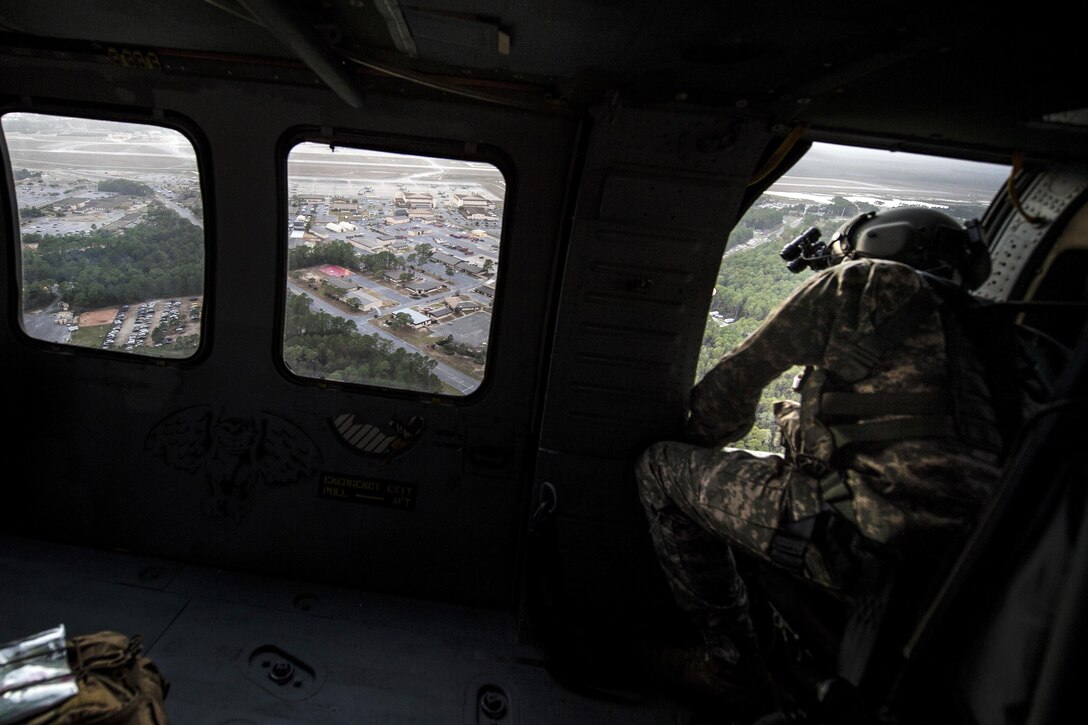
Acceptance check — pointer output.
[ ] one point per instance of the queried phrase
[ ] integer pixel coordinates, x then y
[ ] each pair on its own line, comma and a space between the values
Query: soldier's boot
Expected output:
695, 677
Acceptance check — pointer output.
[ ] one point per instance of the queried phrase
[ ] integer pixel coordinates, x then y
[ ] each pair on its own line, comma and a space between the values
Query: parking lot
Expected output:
472, 329
132, 327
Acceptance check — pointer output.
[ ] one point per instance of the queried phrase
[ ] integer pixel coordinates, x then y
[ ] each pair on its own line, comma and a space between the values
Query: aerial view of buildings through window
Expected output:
392, 267
111, 234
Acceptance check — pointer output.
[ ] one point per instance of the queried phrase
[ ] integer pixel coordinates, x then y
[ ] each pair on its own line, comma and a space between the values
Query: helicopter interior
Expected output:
475, 551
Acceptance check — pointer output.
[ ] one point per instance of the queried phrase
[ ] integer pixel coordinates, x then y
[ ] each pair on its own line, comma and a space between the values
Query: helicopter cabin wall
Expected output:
123, 451
661, 189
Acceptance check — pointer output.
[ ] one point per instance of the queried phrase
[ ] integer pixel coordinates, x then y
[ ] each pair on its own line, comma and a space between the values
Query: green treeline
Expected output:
319, 345
344, 254
125, 186
751, 284
162, 256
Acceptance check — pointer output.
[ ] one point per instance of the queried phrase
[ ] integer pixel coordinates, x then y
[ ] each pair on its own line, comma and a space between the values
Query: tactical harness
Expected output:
852, 418
962, 414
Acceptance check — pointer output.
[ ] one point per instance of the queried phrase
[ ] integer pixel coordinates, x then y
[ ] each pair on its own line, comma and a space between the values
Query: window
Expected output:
829, 186
392, 262
111, 238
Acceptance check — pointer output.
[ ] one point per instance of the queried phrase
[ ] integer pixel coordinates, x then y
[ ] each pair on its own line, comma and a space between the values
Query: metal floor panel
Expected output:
240, 648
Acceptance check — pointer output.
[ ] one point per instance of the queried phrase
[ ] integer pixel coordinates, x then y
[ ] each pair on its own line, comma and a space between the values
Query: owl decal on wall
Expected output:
236, 455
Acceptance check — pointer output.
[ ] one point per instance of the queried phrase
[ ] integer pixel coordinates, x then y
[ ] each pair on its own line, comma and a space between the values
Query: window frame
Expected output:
898, 159
157, 118
408, 146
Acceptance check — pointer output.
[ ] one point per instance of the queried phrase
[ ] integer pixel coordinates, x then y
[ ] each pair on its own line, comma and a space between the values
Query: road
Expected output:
185, 214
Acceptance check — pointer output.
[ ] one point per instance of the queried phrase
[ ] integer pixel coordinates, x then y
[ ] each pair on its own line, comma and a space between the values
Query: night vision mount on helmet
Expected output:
926, 239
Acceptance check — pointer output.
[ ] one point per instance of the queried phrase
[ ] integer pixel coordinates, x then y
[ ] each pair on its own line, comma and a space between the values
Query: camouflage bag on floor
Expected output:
117, 684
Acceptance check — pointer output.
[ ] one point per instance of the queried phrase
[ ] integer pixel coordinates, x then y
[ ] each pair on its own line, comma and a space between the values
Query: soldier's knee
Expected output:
648, 475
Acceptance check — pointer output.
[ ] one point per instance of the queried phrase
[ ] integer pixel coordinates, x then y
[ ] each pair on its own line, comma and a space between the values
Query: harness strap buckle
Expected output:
789, 543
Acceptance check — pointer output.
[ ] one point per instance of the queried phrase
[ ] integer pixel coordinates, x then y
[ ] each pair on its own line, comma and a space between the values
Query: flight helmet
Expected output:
926, 239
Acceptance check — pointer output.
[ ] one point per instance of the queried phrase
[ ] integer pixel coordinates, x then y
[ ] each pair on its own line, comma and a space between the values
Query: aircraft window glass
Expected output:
392, 262
111, 234
827, 187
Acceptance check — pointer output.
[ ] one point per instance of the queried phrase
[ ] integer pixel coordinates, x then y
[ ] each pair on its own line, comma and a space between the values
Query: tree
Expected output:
762, 218
752, 282
400, 320
739, 235
488, 264
125, 186
843, 207
336, 252
330, 290
380, 262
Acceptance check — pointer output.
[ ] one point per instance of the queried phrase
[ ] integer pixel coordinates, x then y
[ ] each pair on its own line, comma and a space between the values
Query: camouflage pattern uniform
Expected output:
702, 499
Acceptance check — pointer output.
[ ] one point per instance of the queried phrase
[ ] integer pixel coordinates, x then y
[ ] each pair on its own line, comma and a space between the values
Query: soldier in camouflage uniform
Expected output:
894, 426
